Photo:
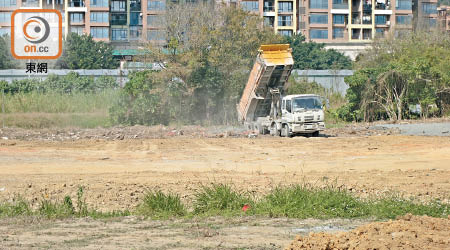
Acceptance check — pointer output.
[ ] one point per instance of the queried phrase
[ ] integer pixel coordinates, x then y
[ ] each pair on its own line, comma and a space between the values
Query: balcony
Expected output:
77, 6
30, 3
382, 6
76, 3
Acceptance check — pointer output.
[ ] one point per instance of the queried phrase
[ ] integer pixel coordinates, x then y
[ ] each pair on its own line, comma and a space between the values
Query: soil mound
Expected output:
407, 232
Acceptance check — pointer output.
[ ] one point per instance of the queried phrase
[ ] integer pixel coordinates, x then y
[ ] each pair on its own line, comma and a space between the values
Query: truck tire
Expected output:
285, 131
315, 134
260, 129
273, 130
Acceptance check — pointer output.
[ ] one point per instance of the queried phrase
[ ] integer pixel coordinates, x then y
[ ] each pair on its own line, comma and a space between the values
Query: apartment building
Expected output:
117, 21
126, 23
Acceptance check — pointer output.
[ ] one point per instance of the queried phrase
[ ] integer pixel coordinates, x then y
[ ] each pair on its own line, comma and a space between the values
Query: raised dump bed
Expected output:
271, 70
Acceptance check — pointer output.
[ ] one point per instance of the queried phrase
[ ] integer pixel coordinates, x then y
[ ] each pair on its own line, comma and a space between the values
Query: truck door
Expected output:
287, 111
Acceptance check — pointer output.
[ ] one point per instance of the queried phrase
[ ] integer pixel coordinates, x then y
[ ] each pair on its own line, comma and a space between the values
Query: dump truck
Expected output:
265, 108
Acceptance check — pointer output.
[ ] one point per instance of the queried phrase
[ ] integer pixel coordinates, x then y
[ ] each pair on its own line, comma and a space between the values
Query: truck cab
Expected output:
300, 114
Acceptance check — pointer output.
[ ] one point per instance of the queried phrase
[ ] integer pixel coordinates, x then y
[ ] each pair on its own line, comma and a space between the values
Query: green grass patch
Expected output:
393, 206
219, 199
157, 204
18, 207
294, 201
303, 201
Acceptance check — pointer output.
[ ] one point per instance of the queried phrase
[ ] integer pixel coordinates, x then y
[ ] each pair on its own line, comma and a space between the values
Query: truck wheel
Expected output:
285, 131
260, 129
273, 130
315, 134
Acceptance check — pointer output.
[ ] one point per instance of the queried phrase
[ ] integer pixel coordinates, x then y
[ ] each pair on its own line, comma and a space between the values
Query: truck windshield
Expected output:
306, 103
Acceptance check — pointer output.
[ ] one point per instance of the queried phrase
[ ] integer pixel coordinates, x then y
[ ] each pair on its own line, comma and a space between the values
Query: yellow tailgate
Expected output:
276, 54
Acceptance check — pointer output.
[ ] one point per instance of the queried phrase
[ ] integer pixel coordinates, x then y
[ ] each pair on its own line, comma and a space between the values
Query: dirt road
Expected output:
116, 173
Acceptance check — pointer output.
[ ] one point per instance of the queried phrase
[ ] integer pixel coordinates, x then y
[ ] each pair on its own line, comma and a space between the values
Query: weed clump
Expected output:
302, 201
157, 204
219, 198
16, 208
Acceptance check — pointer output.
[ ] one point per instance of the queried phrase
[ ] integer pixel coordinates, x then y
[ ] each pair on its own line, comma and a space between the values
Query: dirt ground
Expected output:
117, 170
116, 173
135, 233
408, 232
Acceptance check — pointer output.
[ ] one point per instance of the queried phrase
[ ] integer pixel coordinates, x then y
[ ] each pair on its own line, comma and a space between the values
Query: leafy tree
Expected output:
81, 52
210, 52
6, 60
140, 101
398, 72
311, 55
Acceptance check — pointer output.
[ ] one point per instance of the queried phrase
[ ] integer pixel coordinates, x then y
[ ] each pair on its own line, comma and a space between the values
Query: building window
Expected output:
432, 22
318, 18
99, 3
99, 32
403, 5
340, 4
154, 20
135, 18
77, 29
381, 20
338, 33
318, 4
155, 35
118, 19
429, 8
156, 5
135, 5
250, 5
318, 34
76, 3
118, 6
119, 34
5, 17
403, 20
339, 19
284, 6
99, 17
7, 3
379, 32
285, 20
285, 32
269, 21
268, 6
135, 32
76, 17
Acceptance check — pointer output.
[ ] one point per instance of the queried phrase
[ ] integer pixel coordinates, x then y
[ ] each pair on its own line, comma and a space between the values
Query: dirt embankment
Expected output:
408, 232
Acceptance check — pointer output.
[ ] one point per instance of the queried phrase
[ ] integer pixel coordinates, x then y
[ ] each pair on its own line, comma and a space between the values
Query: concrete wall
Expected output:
16, 74
329, 79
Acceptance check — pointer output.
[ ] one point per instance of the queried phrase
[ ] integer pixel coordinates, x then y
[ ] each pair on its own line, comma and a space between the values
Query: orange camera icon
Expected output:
36, 34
